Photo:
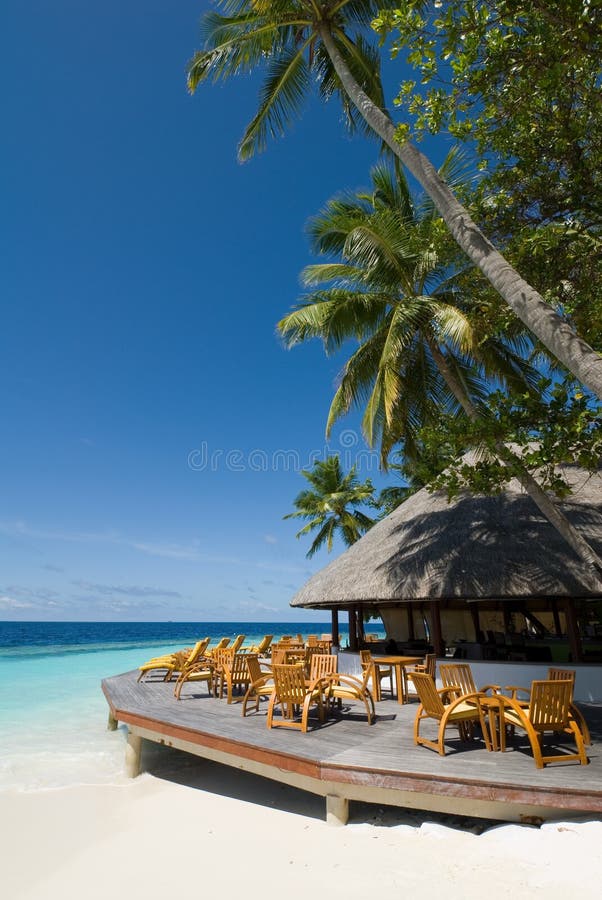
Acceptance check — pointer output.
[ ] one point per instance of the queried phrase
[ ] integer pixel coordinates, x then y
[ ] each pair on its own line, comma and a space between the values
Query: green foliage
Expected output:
390, 289
558, 425
282, 38
521, 81
332, 504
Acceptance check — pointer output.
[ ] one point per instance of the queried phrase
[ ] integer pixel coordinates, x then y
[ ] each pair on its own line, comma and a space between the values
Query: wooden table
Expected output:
397, 664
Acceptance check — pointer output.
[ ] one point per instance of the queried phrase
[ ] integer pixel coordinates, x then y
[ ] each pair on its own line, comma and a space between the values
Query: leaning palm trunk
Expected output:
529, 306
542, 500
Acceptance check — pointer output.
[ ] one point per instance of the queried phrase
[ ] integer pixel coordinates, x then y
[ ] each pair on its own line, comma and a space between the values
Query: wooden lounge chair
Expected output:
221, 645
237, 643
174, 662
549, 710
347, 687
261, 683
262, 647
464, 709
293, 694
381, 673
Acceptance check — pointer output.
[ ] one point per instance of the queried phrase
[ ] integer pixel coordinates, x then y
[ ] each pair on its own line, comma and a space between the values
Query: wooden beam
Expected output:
474, 612
556, 614
572, 627
361, 634
411, 632
435, 608
352, 628
334, 627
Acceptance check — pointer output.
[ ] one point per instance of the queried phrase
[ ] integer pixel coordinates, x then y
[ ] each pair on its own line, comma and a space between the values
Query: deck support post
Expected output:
112, 723
337, 810
133, 755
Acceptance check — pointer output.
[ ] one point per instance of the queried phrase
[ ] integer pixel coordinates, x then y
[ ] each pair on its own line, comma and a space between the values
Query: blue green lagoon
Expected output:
53, 714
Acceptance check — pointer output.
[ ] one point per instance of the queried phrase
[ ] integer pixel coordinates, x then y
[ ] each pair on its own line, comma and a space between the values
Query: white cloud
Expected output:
7, 602
171, 551
270, 539
133, 590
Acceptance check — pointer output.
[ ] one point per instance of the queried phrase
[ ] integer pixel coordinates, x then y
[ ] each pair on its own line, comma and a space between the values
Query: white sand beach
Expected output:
205, 828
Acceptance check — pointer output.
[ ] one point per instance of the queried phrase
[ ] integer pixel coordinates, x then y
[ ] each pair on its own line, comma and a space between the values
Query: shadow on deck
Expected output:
347, 760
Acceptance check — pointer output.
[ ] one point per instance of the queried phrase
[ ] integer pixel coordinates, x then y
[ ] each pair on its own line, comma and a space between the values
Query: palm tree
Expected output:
332, 505
301, 41
418, 354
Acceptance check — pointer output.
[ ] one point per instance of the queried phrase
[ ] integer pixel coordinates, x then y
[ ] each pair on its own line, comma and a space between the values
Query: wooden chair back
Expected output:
310, 652
430, 665
561, 674
221, 645
223, 656
238, 642
365, 659
459, 674
197, 651
254, 667
289, 684
550, 705
322, 664
264, 643
312, 640
428, 694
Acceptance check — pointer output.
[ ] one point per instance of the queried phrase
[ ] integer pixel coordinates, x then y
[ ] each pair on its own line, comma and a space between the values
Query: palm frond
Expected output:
282, 97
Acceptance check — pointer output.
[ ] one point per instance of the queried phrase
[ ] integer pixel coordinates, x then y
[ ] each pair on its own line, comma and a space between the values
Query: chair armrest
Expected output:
494, 688
516, 689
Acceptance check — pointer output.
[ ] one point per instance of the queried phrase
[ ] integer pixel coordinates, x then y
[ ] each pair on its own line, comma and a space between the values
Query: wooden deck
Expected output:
345, 759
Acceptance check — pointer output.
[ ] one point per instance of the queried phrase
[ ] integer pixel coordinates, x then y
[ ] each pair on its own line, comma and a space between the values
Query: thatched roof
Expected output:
473, 548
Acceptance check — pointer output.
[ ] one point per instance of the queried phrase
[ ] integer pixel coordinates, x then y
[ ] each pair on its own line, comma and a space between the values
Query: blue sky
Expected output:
153, 424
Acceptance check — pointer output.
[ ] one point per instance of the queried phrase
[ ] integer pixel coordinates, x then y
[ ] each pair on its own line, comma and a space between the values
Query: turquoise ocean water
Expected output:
53, 714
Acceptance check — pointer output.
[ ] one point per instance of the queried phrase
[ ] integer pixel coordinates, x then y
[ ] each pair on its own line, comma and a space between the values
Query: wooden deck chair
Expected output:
348, 687
522, 695
294, 656
237, 642
261, 683
220, 658
460, 677
381, 672
460, 711
221, 645
235, 675
312, 640
202, 670
174, 662
262, 647
310, 652
293, 694
322, 664
549, 710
